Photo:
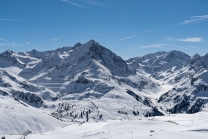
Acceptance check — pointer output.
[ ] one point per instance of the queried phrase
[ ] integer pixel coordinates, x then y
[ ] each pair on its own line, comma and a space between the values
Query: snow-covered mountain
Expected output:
95, 83
160, 62
58, 64
89, 82
187, 75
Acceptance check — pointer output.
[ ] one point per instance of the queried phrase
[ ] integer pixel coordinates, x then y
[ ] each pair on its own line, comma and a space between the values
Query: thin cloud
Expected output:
4, 44
75, 4
126, 38
28, 43
191, 39
149, 46
9, 44
194, 19
147, 31
150, 30
54, 39
7, 41
95, 3
9, 20
3, 40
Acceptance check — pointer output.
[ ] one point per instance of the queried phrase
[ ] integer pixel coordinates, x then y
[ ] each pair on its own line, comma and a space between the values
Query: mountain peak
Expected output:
178, 55
34, 51
77, 44
105, 56
175, 52
8, 52
196, 56
92, 42
86, 45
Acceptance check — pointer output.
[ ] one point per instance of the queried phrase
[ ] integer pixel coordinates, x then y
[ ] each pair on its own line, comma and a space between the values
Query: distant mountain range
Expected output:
90, 82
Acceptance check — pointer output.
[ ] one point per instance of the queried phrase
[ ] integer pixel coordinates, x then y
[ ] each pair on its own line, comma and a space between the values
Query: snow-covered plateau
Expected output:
87, 91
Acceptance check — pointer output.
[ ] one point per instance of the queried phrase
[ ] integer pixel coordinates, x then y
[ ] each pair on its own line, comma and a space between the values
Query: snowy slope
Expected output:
180, 126
18, 102
24, 91
17, 118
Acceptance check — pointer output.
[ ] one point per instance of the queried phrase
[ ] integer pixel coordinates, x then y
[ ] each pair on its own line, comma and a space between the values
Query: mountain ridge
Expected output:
104, 86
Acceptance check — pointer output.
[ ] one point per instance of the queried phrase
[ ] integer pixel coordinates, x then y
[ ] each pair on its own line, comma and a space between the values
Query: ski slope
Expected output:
180, 126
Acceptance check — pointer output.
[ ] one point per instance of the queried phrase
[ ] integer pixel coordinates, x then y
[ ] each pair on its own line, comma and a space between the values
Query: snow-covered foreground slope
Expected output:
181, 126
16, 118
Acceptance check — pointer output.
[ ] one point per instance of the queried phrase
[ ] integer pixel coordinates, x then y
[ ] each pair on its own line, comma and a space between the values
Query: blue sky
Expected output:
129, 28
